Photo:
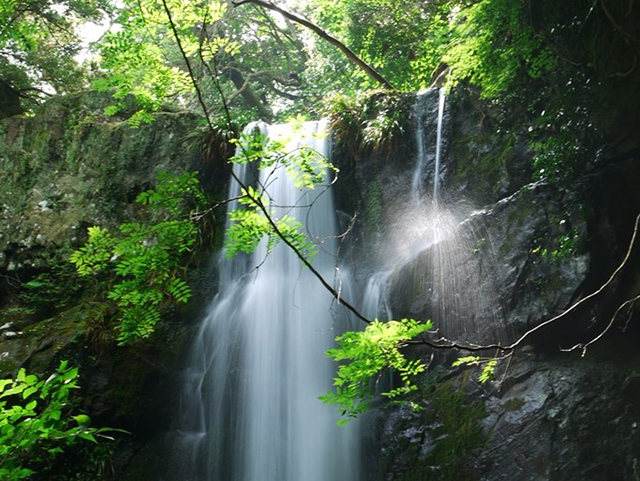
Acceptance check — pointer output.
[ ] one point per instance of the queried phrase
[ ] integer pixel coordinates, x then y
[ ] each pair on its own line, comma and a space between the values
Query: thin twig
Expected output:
590, 296
188, 63
441, 343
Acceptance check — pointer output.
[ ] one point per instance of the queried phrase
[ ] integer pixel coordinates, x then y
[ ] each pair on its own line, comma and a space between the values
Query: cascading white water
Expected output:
429, 252
415, 234
423, 100
250, 408
375, 301
453, 289
421, 158
436, 174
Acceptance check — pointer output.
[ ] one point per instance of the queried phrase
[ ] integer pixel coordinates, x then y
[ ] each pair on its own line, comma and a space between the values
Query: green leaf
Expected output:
28, 392
368, 354
88, 436
143, 259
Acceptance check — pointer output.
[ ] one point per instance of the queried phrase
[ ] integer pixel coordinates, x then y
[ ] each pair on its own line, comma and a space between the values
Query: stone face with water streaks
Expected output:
511, 270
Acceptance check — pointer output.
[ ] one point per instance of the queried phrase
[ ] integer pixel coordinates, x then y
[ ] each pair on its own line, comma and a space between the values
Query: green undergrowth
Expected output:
375, 122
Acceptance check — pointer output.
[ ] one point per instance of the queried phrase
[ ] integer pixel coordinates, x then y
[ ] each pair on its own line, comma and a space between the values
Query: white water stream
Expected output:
250, 408
419, 227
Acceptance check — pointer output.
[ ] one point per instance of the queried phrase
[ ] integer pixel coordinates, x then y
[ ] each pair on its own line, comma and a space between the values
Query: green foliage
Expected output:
368, 122
52, 290
563, 136
146, 258
142, 59
38, 42
246, 53
369, 353
402, 40
37, 421
139, 70
488, 365
303, 164
249, 226
495, 46
454, 420
560, 247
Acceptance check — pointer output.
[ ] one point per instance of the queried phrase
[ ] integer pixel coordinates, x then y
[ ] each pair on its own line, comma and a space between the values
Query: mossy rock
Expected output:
70, 167
36, 345
436, 443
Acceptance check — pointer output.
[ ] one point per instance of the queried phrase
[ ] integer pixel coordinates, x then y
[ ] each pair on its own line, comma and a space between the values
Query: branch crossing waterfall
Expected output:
250, 408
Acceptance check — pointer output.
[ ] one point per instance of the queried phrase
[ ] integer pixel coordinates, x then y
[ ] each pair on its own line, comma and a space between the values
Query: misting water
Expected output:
428, 237
250, 407
418, 227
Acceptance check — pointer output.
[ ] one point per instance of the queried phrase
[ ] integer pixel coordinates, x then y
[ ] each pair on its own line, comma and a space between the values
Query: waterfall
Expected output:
421, 158
375, 301
420, 111
250, 408
413, 240
431, 254
437, 243
436, 173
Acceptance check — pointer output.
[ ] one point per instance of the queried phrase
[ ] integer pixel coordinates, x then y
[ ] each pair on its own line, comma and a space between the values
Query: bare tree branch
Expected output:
324, 35
629, 303
186, 60
590, 296
250, 76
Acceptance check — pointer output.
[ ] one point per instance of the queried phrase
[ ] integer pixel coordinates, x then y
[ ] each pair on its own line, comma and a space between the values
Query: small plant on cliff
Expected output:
37, 421
488, 365
368, 122
146, 258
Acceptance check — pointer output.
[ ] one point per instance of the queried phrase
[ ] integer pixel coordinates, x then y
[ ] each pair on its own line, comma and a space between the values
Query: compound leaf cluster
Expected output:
146, 258
368, 354
37, 421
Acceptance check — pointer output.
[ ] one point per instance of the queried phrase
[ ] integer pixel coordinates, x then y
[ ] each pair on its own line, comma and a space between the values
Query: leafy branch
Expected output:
538, 62
369, 353
368, 69
146, 258
36, 417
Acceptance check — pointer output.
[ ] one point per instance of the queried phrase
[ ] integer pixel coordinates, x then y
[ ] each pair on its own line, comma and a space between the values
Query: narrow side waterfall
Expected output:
436, 173
250, 409
429, 255
420, 109
412, 241
436, 242
421, 157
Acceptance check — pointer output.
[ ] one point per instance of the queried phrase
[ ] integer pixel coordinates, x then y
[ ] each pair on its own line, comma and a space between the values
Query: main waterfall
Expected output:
250, 408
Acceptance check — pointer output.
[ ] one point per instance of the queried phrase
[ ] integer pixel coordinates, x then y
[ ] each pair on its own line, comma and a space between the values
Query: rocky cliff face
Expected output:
520, 252
516, 254
63, 170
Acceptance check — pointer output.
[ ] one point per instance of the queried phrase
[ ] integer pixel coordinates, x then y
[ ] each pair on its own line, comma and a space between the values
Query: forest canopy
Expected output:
265, 65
